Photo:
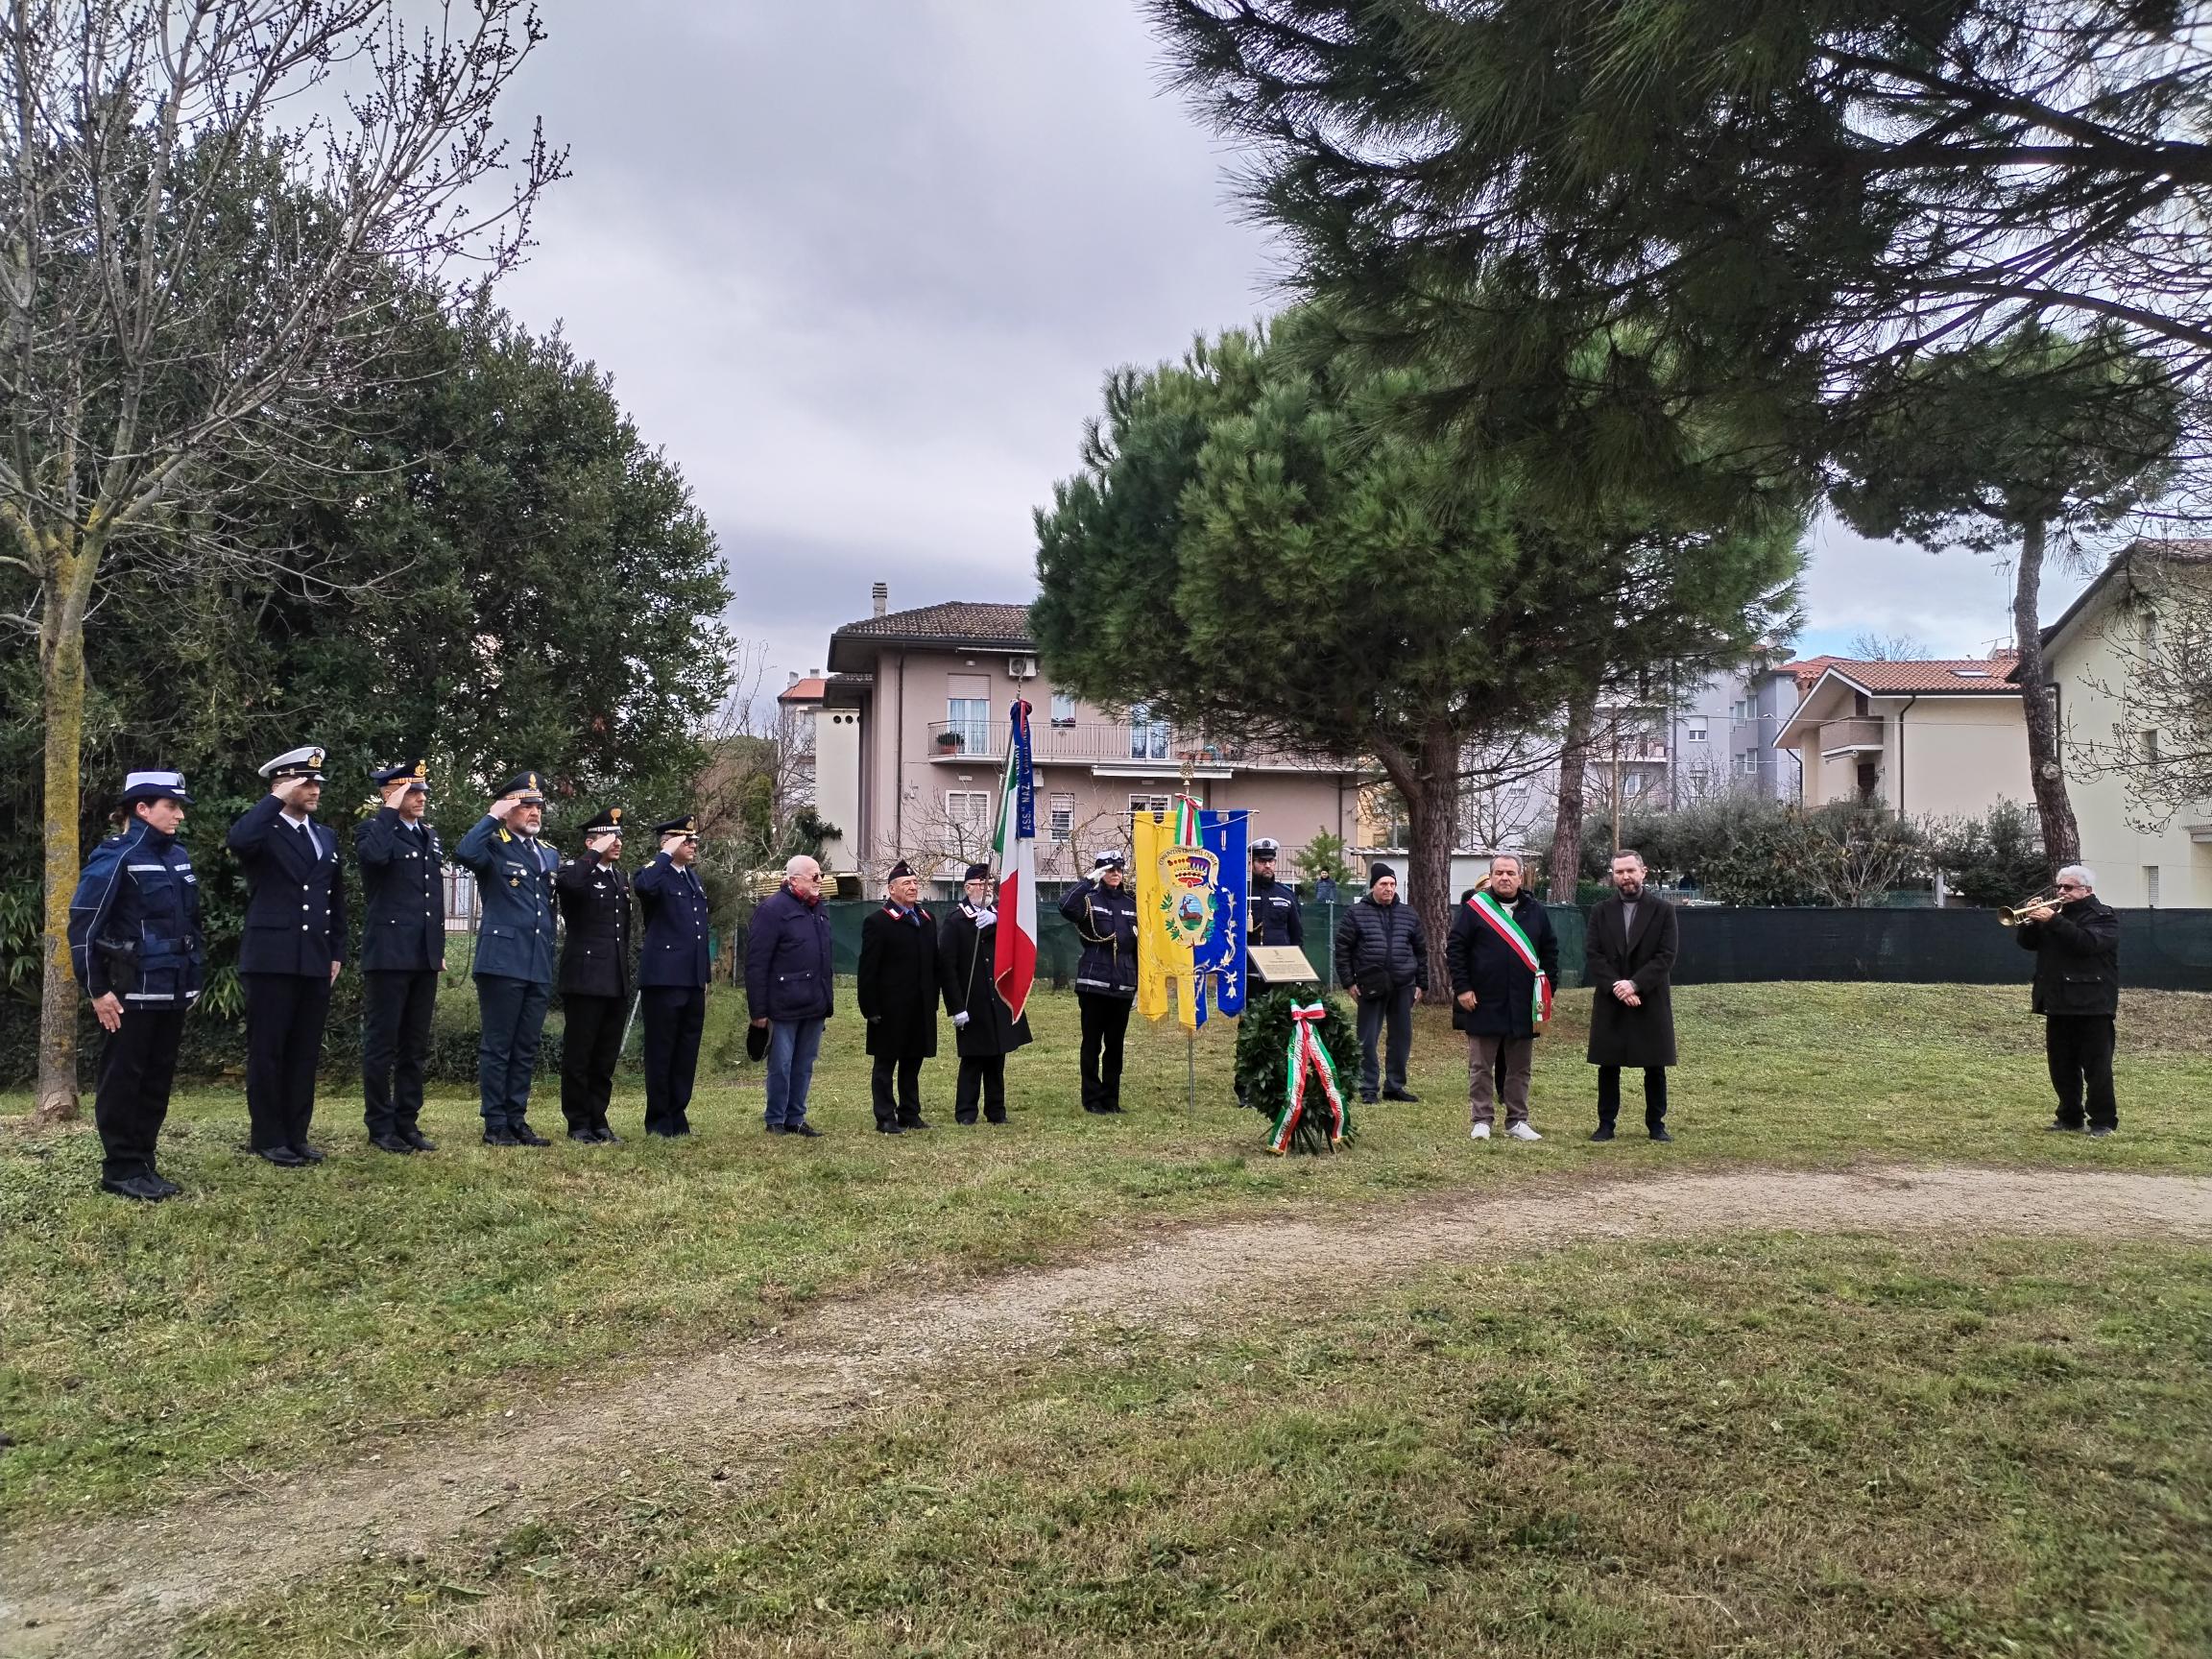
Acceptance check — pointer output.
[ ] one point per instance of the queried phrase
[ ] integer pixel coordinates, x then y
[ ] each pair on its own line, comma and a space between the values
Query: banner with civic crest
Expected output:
1220, 956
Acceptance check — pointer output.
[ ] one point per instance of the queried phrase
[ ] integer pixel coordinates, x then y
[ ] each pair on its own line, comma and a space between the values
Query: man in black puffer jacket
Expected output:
1383, 960
2077, 943
1104, 912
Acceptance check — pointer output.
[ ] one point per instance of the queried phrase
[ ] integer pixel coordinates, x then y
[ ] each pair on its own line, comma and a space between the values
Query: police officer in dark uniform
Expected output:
1104, 912
1272, 913
898, 990
672, 974
403, 953
597, 977
293, 946
514, 966
134, 943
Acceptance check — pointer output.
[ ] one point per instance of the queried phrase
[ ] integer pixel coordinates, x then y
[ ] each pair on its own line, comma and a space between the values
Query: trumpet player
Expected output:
2076, 938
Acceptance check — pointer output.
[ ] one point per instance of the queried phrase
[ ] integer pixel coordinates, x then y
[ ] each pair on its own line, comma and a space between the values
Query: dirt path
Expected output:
120, 1587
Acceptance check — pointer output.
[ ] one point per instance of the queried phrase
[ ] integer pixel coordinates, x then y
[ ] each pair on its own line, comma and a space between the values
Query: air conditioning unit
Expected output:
1022, 668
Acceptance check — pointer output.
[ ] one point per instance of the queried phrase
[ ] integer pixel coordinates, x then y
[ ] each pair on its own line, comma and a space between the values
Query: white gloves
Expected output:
960, 1020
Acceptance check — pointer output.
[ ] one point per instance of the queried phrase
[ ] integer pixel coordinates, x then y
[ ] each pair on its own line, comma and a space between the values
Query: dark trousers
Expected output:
513, 1011
674, 1015
1654, 1095
2080, 1050
590, 1045
985, 1075
1105, 1023
137, 1063
395, 1009
1396, 1007
284, 1015
895, 1086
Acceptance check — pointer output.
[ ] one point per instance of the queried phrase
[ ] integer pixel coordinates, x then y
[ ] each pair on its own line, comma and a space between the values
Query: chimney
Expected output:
792, 681
882, 597
813, 673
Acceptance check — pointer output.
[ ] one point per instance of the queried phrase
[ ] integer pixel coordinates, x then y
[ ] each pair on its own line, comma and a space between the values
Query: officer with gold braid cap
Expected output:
513, 966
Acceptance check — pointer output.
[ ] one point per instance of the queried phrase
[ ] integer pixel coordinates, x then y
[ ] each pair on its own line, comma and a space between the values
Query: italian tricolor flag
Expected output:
1014, 962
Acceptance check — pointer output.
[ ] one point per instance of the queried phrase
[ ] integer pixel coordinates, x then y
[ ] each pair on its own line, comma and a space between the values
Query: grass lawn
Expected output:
275, 1318
1753, 1447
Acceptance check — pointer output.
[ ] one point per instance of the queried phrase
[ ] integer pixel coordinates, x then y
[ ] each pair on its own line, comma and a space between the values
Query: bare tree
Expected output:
1868, 646
2160, 637
206, 208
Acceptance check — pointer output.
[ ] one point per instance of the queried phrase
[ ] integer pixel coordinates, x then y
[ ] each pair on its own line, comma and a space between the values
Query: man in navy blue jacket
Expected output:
289, 956
787, 989
513, 968
672, 976
134, 943
403, 953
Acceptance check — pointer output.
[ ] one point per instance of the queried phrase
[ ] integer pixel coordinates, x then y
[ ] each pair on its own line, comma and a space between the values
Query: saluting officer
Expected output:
899, 999
134, 943
596, 976
514, 966
403, 953
1104, 912
672, 977
293, 946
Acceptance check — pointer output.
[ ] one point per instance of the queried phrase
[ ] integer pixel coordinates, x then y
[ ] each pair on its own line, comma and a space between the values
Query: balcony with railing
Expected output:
1853, 735
1148, 743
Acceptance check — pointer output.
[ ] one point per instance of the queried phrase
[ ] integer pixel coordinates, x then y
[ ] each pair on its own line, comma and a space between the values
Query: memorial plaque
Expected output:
1281, 965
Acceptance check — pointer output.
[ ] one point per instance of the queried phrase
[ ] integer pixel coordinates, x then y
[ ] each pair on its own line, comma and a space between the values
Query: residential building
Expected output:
2089, 655
798, 709
1938, 739
910, 747
1760, 702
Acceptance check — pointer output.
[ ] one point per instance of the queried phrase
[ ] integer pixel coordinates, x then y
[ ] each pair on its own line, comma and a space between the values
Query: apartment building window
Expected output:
1693, 729
1141, 804
1063, 710
969, 813
1062, 818
2151, 748
2151, 886
967, 710
1151, 738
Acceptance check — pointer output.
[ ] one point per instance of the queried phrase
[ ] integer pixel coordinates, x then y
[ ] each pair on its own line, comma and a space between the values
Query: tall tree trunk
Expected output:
1566, 871
1431, 817
2046, 765
61, 697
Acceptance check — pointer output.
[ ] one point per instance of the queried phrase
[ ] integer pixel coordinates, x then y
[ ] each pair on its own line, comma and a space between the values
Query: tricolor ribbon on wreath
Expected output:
1501, 923
1309, 1057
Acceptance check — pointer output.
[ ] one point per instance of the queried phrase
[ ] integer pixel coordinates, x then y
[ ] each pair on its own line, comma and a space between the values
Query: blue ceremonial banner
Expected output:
1221, 953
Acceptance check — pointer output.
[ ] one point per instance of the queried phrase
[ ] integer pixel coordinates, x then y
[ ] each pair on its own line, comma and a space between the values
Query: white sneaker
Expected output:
1482, 1132
1522, 1132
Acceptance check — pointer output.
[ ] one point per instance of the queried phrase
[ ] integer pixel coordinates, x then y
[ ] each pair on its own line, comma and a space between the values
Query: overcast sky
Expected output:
862, 266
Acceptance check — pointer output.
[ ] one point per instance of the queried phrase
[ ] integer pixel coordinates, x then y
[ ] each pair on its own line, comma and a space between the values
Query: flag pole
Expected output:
1197, 974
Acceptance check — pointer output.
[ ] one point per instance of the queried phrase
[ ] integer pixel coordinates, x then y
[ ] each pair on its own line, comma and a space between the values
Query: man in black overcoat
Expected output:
2076, 945
899, 999
1628, 957
598, 976
984, 1029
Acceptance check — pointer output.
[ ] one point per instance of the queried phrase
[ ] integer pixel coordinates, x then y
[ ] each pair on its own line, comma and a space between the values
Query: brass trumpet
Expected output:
2013, 915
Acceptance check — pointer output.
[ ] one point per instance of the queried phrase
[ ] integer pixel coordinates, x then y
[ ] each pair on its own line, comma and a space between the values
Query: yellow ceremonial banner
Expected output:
1161, 952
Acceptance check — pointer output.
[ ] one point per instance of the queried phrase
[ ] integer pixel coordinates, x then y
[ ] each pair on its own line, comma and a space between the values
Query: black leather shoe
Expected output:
1405, 1094
807, 1129
394, 1142
919, 1124
1111, 1107
607, 1137
1603, 1131
284, 1157
530, 1136
2101, 1133
143, 1188
1000, 1121
1367, 1099
889, 1129
169, 1187
1097, 1111
501, 1137
773, 1129
1659, 1132
590, 1137
308, 1152
2062, 1128
416, 1139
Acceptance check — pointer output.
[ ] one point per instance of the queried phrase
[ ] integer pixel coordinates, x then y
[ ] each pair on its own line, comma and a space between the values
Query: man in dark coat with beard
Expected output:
1628, 957
984, 1028
899, 999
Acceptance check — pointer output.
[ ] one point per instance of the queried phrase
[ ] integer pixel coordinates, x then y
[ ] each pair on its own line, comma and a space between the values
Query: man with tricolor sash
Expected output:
1504, 959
